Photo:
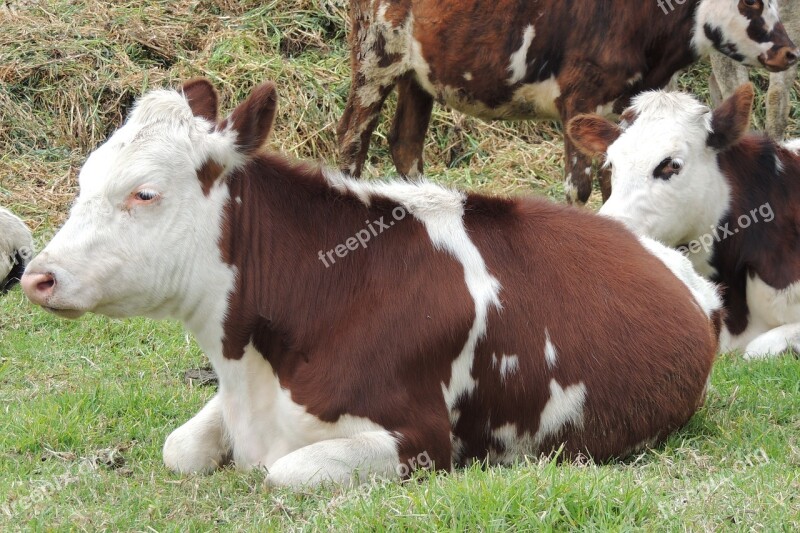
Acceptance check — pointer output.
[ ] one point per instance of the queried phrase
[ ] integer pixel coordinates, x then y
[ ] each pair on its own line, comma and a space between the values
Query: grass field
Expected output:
86, 405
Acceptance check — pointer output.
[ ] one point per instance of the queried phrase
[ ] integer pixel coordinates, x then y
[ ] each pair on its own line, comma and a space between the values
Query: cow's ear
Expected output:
730, 120
593, 134
202, 98
252, 119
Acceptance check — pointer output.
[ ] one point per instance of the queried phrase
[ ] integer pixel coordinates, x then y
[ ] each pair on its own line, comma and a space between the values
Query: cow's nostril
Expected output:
791, 56
46, 285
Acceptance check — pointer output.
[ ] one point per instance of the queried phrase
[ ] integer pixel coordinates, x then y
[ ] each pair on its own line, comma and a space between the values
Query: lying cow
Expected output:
694, 179
366, 328
540, 59
16, 249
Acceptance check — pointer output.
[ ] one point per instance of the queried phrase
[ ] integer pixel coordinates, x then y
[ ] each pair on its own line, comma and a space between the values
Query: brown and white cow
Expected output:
728, 75
16, 249
540, 59
694, 179
366, 328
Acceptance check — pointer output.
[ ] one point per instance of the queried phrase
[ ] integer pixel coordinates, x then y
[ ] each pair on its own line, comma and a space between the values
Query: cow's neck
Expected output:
279, 217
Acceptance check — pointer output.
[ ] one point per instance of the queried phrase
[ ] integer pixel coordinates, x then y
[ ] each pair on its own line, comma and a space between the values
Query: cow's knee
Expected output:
344, 462
774, 342
200, 445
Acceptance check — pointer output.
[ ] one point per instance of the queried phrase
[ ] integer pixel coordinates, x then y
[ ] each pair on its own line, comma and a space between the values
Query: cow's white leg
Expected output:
201, 444
345, 461
774, 342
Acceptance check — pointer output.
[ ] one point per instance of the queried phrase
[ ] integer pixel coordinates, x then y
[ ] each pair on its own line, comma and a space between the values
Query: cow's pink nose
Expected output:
38, 287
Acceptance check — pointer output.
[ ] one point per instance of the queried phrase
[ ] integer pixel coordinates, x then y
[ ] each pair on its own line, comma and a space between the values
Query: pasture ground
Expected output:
86, 405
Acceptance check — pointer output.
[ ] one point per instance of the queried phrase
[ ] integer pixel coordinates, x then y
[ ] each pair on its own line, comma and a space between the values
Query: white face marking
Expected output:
669, 127
120, 255
441, 211
724, 15
15, 237
468, 76
550, 353
518, 65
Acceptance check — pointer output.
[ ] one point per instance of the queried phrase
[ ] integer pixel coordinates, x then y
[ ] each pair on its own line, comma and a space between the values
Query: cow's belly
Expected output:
262, 422
768, 308
529, 101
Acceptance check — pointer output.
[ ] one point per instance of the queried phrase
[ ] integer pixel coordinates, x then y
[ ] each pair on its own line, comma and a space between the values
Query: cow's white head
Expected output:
749, 31
142, 236
665, 177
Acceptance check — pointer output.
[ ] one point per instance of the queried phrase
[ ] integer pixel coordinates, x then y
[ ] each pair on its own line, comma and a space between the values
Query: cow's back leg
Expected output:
407, 136
377, 62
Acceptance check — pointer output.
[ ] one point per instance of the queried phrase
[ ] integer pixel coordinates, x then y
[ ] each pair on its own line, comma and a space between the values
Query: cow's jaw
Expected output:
721, 25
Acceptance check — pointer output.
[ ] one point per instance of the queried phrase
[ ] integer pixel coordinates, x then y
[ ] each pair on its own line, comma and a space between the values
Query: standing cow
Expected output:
368, 328
539, 59
16, 249
694, 179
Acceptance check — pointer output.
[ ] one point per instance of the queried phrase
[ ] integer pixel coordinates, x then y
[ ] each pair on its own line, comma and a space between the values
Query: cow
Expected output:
16, 249
369, 328
540, 59
697, 181
728, 75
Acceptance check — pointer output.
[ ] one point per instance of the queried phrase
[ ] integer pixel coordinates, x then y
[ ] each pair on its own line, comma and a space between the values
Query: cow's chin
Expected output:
71, 314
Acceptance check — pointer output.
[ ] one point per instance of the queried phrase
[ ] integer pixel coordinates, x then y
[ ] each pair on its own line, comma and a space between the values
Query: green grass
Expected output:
85, 406
78, 396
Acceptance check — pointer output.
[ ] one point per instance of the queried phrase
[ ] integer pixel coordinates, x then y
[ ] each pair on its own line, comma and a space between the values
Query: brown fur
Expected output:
375, 334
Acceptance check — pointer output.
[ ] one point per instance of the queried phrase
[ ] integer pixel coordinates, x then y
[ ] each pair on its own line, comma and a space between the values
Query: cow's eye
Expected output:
146, 195
667, 168
752, 3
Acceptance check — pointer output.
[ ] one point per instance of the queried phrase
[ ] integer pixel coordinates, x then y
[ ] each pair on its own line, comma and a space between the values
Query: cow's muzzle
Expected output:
780, 59
39, 287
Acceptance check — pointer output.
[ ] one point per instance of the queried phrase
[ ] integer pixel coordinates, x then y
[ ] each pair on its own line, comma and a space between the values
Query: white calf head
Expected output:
749, 31
144, 229
665, 177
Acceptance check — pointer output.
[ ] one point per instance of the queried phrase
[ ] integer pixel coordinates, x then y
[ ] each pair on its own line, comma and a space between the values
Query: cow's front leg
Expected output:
201, 444
343, 461
774, 342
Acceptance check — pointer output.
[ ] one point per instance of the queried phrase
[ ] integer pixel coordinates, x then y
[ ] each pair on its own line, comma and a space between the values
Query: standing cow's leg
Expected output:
358, 122
407, 136
727, 75
778, 102
201, 444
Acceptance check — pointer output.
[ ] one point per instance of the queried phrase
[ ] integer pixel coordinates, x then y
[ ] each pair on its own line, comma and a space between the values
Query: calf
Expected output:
694, 179
540, 59
16, 249
367, 328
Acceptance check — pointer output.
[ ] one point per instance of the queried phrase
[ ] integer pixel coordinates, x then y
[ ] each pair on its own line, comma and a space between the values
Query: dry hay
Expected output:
69, 72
